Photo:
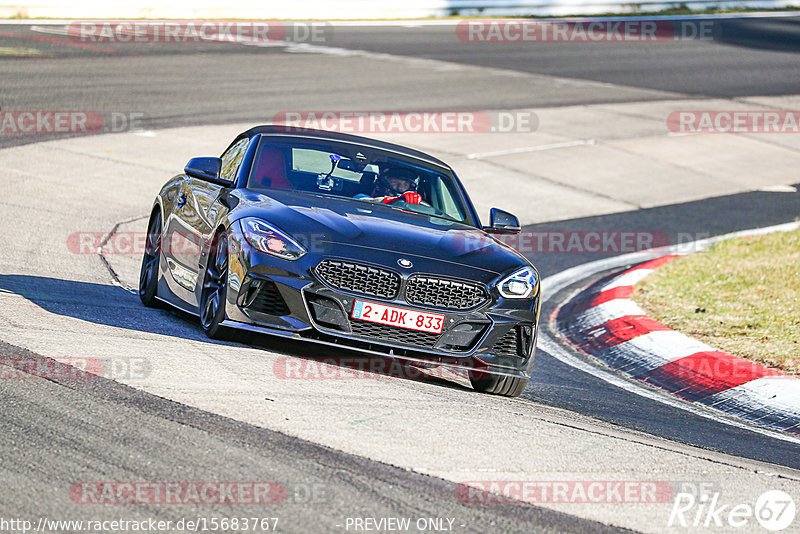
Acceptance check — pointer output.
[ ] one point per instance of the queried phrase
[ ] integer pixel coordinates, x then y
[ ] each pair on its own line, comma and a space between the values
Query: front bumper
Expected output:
278, 297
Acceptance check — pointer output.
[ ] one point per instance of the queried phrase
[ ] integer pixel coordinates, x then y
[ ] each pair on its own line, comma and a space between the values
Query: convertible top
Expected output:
310, 133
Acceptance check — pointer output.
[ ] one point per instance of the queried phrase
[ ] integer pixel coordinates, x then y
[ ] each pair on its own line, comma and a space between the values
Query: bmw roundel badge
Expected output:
404, 263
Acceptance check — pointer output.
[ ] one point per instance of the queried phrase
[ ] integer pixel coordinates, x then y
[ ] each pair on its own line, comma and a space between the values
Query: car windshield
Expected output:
358, 173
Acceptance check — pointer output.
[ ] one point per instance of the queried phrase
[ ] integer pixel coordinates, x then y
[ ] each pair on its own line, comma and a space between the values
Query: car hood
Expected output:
324, 224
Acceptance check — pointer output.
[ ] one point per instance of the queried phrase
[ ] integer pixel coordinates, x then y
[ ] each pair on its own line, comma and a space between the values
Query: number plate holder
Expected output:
374, 312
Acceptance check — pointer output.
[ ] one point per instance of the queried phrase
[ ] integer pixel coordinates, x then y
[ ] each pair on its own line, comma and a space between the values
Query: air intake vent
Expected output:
390, 334
516, 342
264, 297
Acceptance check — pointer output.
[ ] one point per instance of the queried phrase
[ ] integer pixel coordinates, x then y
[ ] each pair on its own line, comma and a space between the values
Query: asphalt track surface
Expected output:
56, 433
48, 440
187, 84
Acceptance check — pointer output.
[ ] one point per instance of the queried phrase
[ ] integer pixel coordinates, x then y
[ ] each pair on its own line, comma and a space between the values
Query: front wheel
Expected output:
506, 386
215, 289
148, 277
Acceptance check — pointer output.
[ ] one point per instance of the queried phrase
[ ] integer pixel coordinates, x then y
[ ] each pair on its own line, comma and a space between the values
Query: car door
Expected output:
181, 277
208, 208
192, 223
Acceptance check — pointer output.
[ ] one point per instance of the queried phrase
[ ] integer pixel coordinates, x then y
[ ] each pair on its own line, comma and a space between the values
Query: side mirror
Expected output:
502, 222
206, 169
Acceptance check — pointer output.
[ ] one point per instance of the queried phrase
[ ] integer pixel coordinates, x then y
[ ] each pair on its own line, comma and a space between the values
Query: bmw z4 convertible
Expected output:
348, 242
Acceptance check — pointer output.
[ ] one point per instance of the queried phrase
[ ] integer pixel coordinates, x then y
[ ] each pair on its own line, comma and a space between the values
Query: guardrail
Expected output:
349, 9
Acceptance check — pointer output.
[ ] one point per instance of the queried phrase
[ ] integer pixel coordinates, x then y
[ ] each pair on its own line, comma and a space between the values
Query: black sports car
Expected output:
349, 242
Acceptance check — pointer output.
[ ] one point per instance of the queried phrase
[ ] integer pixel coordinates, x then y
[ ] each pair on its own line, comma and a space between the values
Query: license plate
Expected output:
400, 317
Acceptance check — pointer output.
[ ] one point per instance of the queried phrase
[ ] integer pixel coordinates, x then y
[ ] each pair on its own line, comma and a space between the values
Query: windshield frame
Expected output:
373, 154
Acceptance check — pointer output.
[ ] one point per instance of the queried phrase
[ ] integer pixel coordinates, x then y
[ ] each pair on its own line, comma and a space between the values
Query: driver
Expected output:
395, 184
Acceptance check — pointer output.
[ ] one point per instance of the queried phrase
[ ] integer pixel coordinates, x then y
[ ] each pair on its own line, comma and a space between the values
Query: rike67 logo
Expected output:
774, 510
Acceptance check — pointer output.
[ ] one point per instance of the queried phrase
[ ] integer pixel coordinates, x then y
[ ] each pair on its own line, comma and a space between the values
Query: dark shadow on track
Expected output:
100, 304
113, 306
773, 34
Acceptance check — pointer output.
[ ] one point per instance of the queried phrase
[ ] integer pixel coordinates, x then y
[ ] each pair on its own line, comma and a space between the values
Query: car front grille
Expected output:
393, 335
444, 293
359, 278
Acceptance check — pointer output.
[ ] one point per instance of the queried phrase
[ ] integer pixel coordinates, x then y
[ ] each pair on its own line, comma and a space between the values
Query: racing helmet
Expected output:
389, 182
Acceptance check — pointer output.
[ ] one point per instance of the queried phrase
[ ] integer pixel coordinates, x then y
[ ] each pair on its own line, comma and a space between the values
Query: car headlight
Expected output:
268, 239
519, 285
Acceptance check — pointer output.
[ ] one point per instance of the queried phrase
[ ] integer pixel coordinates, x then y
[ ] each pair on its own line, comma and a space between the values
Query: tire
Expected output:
215, 290
506, 386
151, 260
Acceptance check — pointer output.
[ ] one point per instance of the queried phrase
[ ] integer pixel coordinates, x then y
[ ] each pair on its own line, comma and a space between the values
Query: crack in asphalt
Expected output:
114, 276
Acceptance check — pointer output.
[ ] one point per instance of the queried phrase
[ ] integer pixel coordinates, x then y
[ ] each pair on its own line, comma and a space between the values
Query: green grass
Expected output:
741, 296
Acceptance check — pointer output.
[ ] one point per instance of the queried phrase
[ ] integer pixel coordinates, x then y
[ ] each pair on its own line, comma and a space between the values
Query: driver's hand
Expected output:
410, 197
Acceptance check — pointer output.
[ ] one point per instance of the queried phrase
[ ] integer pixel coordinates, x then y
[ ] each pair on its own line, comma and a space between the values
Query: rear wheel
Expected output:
148, 277
507, 386
215, 289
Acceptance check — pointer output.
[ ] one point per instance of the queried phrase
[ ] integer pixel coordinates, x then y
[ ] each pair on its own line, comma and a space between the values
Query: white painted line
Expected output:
307, 48
628, 279
778, 189
437, 65
434, 64
54, 30
538, 148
